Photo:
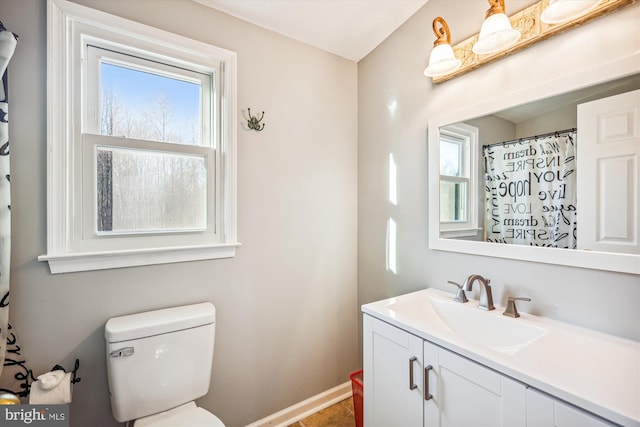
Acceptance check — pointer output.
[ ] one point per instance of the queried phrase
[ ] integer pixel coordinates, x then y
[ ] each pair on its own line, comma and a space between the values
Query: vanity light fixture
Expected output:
442, 60
496, 33
518, 31
560, 11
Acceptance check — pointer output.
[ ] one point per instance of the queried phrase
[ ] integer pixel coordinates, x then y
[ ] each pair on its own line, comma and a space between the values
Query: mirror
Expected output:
457, 198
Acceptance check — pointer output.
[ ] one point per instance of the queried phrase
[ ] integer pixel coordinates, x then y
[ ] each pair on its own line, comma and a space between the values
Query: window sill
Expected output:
68, 263
463, 232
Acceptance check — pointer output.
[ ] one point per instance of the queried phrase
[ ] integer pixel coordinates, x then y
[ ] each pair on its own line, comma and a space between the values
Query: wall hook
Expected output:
254, 121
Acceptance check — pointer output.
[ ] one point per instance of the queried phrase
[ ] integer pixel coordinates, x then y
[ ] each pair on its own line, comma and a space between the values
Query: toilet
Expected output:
158, 363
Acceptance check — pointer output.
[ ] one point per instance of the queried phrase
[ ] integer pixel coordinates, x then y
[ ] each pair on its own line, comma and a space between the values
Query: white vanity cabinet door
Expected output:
391, 397
465, 393
546, 411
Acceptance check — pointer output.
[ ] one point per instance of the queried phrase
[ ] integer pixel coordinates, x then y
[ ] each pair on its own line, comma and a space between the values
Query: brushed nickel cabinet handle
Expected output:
427, 395
412, 386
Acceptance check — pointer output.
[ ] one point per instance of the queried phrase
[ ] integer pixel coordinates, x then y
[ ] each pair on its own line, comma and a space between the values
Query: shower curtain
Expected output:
8, 42
530, 189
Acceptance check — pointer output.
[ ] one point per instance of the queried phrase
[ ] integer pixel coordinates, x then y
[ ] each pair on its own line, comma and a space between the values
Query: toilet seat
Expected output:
185, 415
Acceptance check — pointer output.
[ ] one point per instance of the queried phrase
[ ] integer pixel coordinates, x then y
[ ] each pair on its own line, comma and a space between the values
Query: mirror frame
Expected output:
625, 263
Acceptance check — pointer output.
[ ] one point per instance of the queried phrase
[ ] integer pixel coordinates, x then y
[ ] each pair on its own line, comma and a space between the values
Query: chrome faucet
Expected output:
486, 298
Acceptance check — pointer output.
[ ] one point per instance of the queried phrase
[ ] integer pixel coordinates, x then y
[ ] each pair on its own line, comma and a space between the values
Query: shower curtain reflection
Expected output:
530, 191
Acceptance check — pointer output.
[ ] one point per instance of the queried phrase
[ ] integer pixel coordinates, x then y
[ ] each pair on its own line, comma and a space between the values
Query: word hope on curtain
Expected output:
530, 189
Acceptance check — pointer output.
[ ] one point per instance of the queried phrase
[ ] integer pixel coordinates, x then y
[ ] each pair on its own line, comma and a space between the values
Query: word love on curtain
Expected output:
530, 189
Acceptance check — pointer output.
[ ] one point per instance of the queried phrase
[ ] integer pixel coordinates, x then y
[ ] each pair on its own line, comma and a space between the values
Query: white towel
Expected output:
52, 388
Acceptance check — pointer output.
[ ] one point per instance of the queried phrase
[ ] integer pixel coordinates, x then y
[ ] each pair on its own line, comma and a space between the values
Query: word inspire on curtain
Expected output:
15, 375
530, 188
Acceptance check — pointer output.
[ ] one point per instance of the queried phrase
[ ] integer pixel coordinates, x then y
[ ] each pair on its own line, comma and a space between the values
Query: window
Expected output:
458, 180
141, 144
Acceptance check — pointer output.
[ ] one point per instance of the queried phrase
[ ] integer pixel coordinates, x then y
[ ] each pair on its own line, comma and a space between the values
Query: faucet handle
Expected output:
460, 295
511, 309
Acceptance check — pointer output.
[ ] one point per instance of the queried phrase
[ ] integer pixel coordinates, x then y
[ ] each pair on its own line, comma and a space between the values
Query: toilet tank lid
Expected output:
156, 322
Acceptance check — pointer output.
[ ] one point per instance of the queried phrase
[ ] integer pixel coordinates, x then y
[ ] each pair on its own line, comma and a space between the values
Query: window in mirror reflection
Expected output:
450, 155
452, 201
458, 198
452, 193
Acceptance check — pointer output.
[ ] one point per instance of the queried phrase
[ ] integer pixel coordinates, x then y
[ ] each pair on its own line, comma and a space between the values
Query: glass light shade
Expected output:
496, 34
442, 61
560, 11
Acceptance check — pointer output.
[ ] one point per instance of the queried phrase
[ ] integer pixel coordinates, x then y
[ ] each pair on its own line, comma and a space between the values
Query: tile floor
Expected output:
340, 414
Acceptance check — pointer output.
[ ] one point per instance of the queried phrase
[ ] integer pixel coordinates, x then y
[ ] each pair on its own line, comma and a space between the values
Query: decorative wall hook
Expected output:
254, 121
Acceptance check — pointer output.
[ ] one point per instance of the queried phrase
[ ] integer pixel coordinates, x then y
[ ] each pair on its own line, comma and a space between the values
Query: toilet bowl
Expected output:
185, 415
159, 363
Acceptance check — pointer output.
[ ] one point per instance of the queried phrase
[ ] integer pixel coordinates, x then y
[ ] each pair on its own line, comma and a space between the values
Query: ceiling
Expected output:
348, 28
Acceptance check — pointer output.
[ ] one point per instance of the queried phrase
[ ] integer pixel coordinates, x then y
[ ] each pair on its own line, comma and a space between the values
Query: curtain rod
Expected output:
514, 141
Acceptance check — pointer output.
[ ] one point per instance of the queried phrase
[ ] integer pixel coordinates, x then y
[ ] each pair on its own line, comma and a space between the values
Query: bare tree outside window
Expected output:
145, 190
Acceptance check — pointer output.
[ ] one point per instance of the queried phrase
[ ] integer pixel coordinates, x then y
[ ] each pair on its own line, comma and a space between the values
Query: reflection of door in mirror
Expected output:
608, 170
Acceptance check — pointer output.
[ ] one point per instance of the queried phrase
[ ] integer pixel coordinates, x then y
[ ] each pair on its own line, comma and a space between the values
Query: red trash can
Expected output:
358, 395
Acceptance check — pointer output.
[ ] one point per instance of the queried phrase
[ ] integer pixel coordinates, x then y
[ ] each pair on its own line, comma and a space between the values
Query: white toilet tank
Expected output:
159, 359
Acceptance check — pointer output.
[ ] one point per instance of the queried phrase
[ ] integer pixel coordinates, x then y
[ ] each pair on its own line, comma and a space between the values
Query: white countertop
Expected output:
592, 370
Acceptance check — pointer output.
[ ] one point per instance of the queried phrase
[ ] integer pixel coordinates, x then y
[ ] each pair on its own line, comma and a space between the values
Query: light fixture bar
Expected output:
533, 30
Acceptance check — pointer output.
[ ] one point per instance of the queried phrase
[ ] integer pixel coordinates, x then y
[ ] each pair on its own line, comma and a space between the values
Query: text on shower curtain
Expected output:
530, 190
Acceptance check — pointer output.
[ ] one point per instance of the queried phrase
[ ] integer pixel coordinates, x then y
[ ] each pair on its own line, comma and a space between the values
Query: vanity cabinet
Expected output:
431, 361
393, 380
544, 410
410, 382
465, 393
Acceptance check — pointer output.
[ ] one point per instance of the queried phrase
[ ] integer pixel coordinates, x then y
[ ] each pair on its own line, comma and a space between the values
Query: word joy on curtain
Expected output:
530, 189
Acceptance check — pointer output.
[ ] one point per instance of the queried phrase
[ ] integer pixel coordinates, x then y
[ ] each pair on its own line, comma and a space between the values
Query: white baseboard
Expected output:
303, 409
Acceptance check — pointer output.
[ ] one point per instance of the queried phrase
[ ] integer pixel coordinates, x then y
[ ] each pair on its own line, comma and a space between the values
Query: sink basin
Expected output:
468, 322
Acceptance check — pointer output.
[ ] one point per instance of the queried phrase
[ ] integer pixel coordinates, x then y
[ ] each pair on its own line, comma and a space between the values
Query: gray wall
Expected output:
286, 304
392, 75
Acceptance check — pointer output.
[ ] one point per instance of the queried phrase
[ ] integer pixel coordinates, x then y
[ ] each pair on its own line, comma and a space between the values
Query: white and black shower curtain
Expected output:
16, 375
530, 189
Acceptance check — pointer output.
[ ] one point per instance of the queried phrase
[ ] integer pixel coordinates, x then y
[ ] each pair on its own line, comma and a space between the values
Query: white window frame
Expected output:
468, 137
71, 141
